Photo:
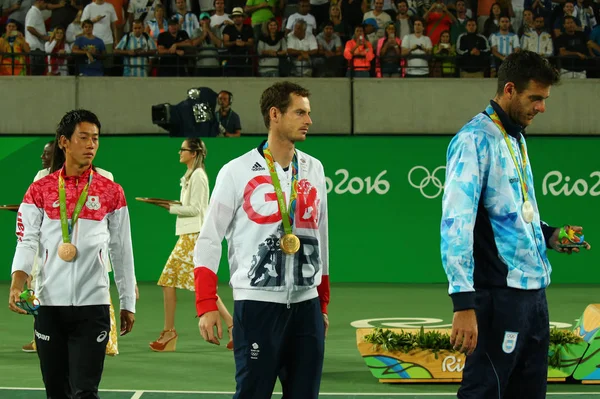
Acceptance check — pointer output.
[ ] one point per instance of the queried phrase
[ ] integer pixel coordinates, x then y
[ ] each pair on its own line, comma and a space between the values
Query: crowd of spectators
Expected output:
319, 38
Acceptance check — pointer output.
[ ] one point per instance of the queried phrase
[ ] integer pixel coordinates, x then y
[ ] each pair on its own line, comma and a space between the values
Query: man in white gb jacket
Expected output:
279, 270
70, 215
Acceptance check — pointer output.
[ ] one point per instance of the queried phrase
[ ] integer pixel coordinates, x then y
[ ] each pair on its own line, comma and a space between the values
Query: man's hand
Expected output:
555, 243
208, 322
326, 322
13, 298
127, 320
464, 331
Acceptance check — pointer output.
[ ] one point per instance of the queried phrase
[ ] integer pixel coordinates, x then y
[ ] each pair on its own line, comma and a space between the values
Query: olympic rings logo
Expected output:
430, 178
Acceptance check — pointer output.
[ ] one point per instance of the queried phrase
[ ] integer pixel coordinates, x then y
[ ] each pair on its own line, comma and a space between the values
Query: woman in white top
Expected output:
179, 270
58, 48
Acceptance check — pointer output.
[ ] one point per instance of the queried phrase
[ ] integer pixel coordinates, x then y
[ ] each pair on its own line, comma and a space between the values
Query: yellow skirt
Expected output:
179, 270
112, 348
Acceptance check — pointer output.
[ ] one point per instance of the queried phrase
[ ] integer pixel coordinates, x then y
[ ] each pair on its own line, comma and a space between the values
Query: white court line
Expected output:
279, 393
137, 395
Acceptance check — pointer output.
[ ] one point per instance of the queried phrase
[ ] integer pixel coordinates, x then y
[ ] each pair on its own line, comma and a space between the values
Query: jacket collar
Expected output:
513, 129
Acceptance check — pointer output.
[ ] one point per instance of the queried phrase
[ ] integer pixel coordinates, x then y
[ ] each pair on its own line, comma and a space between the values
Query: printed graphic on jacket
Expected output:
268, 265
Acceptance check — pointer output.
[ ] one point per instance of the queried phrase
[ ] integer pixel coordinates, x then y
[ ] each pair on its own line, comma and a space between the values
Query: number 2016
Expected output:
356, 185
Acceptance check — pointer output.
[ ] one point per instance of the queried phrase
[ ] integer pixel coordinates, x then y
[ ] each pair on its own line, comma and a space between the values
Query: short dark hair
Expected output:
87, 22
327, 23
472, 20
279, 96
66, 127
523, 67
566, 17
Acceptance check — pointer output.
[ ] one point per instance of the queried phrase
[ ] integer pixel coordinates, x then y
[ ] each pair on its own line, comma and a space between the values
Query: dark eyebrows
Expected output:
537, 97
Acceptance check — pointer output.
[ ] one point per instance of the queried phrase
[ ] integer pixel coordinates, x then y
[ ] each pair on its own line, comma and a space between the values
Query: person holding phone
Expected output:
359, 53
13, 42
388, 53
419, 45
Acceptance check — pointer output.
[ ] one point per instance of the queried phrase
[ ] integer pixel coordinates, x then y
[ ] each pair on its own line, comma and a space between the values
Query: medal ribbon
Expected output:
287, 217
521, 169
67, 228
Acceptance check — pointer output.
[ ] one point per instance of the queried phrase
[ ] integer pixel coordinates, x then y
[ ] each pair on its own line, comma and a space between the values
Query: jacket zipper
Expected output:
74, 241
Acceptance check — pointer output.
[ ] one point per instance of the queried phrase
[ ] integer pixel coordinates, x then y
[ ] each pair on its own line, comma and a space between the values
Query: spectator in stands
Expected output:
331, 61
404, 22
573, 49
320, 10
528, 24
207, 41
271, 46
378, 15
59, 49
104, 18
459, 26
352, 12
539, 7
559, 23
503, 43
301, 47
13, 43
16, 10
389, 51
585, 14
444, 53
220, 19
473, 51
371, 31
437, 20
190, 5
63, 13
74, 30
36, 36
359, 53
229, 121
158, 24
340, 27
143, 10
188, 21
91, 47
302, 14
417, 44
538, 40
170, 45
492, 24
238, 39
136, 46
389, 7
261, 11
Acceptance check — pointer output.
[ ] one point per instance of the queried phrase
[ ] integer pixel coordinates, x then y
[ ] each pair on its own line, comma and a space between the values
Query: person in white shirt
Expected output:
271, 206
74, 30
302, 14
417, 44
69, 216
220, 19
300, 48
36, 36
104, 17
538, 40
190, 211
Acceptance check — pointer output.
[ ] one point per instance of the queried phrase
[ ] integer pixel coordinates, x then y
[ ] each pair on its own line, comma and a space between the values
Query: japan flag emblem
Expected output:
93, 202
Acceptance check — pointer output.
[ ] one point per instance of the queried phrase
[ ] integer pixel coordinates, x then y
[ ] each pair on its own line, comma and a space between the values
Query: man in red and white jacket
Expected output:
73, 321
280, 291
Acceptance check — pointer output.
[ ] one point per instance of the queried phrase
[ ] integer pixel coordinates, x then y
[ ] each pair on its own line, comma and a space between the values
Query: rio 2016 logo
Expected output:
555, 184
357, 185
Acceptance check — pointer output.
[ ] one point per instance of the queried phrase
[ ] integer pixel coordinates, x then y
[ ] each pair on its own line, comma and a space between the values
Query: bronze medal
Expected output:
67, 251
290, 244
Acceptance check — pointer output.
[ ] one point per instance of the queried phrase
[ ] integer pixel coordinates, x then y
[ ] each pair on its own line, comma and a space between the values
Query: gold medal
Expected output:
290, 244
67, 251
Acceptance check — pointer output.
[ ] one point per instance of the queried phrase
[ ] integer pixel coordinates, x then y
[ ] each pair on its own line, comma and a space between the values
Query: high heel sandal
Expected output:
230, 343
168, 346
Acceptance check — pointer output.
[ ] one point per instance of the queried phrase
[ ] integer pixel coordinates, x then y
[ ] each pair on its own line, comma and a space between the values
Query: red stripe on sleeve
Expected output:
323, 290
205, 281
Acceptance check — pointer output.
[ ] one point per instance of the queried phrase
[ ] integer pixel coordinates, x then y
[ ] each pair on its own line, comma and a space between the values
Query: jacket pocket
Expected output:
103, 266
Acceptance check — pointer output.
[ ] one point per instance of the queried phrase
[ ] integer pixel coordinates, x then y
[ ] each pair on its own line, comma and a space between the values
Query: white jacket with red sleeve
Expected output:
243, 209
103, 218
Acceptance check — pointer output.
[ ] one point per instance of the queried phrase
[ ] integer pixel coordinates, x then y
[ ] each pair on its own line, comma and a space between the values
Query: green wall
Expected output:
381, 230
